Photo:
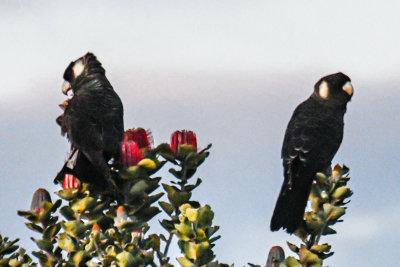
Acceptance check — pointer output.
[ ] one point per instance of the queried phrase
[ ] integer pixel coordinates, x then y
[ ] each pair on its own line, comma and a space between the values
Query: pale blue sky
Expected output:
232, 71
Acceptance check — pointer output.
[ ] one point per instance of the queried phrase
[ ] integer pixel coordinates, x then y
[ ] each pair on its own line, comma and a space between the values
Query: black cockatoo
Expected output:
92, 120
312, 138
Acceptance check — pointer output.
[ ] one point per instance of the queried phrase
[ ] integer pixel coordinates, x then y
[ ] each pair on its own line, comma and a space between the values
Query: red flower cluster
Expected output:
130, 154
130, 149
140, 136
183, 137
70, 182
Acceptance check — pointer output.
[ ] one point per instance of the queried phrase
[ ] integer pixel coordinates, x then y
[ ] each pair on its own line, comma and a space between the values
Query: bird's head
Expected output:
80, 69
335, 88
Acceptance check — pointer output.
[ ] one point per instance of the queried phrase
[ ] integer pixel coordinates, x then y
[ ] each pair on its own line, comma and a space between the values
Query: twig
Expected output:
168, 243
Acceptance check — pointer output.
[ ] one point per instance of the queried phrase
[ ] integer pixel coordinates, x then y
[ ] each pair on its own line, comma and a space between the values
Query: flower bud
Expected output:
121, 217
136, 234
95, 227
342, 193
70, 182
38, 198
148, 164
275, 257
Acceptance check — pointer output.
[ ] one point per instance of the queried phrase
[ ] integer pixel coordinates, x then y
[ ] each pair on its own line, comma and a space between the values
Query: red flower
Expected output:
142, 137
130, 154
39, 196
70, 182
183, 137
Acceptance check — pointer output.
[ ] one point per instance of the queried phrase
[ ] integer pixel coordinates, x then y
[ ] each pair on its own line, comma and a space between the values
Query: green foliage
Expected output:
111, 228
12, 255
86, 227
328, 201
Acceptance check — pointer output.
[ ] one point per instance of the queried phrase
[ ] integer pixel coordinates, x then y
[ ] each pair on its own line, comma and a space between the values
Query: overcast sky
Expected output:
233, 72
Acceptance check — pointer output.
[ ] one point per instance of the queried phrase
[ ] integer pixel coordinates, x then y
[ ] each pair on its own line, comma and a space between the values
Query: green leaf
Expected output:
67, 242
190, 187
34, 227
168, 208
194, 251
341, 193
152, 184
67, 194
321, 178
192, 160
51, 231
125, 259
55, 206
68, 213
74, 228
212, 240
44, 244
191, 214
91, 246
154, 198
185, 262
308, 257
175, 173
127, 225
83, 204
336, 213
153, 241
100, 207
320, 248
148, 164
329, 231
138, 188
292, 262
327, 207
9, 248
326, 255
175, 196
147, 213
137, 172
184, 150
168, 225
80, 258
293, 247
185, 230
29, 215
163, 148
206, 216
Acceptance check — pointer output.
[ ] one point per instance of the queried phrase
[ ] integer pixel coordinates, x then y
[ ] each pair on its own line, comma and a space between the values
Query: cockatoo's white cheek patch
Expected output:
348, 88
323, 90
78, 68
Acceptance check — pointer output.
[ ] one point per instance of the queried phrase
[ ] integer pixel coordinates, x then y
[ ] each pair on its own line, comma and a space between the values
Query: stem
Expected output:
159, 257
168, 243
310, 241
100, 253
320, 232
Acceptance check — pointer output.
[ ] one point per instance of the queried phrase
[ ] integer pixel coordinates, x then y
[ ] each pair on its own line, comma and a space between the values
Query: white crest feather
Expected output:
323, 90
78, 68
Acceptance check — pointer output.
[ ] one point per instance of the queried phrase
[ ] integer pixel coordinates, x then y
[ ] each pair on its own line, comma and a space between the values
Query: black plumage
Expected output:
92, 120
312, 138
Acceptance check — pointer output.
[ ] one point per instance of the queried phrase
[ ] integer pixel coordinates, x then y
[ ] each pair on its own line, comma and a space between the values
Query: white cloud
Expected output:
371, 225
